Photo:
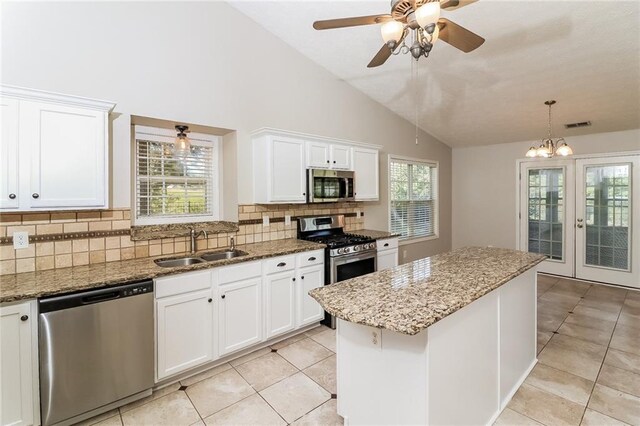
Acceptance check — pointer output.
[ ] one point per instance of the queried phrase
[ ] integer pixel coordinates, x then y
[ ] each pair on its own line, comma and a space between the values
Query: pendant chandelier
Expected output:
182, 145
549, 146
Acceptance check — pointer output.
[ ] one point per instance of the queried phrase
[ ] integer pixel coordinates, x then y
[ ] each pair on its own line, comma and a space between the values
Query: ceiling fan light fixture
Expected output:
428, 13
392, 31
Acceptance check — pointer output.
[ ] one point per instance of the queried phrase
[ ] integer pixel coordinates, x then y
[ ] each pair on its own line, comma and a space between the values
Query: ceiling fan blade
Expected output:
457, 36
455, 4
351, 22
381, 57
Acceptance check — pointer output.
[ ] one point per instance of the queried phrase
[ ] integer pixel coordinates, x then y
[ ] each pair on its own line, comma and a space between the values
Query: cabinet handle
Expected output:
312, 258
327, 161
334, 161
12, 196
304, 193
223, 296
35, 195
293, 279
386, 244
211, 300
24, 317
281, 264
302, 277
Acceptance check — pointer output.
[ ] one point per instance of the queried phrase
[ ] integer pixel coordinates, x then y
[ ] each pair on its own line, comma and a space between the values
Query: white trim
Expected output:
435, 194
28, 94
311, 138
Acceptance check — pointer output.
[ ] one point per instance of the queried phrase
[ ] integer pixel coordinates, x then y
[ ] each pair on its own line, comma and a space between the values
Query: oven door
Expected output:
351, 266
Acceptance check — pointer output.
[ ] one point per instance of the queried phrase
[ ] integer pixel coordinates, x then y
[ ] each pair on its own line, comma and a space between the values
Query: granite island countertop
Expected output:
30, 285
413, 296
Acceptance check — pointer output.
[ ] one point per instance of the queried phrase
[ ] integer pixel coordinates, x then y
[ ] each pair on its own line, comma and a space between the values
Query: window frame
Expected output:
434, 194
155, 134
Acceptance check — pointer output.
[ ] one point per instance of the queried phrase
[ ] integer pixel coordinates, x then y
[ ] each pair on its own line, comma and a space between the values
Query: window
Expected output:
413, 204
170, 188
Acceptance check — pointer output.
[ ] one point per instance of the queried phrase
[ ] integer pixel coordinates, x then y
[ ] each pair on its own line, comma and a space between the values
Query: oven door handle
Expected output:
353, 258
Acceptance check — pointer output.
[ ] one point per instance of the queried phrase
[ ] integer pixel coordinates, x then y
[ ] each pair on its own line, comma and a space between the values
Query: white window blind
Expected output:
171, 187
412, 198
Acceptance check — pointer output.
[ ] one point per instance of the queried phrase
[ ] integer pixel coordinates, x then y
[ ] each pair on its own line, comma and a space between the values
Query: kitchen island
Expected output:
443, 340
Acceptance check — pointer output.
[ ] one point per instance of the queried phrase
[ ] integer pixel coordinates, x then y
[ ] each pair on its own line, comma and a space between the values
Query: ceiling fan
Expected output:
422, 17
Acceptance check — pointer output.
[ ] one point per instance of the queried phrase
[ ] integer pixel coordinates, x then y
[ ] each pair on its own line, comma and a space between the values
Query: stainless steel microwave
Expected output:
330, 186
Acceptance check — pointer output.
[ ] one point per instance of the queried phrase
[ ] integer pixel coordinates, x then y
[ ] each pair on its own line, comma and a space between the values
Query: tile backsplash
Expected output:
73, 238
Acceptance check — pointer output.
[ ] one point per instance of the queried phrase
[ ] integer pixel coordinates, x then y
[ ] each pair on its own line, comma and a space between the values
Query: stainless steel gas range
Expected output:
346, 256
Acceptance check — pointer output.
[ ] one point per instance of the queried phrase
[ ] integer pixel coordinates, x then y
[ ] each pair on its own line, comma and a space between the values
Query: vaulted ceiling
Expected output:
584, 54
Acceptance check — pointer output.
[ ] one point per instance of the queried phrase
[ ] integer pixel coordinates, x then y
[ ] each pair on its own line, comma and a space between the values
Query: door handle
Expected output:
12, 196
24, 317
579, 220
580, 225
35, 195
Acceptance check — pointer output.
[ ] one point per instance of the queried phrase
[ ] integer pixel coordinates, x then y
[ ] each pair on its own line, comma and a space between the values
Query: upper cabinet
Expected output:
54, 151
281, 159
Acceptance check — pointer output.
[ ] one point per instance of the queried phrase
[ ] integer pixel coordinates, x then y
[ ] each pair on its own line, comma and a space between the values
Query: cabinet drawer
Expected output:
279, 264
239, 272
182, 283
310, 258
387, 244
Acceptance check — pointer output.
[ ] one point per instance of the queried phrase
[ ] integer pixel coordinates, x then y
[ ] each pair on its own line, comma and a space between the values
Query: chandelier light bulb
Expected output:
436, 33
428, 13
533, 152
564, 150
543, 151
392, 31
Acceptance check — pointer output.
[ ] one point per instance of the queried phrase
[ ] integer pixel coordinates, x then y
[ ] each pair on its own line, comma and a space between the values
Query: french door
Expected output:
583, 215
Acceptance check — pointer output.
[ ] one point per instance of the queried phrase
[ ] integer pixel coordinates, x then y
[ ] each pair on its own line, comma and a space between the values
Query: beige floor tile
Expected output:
630, 316
557, 382
289, 340
626, 339
573, 356
561, 301
172, 409
595, 313
212, 395
324, 374
543, 339
248, 357
327, 339
250, 411
591, 322
593, 418
571, 287
550, 321
155, 395
111, 421
100, 418
508, 417
295, 396
606, 293
264, 371
616, 404
633, 299
590, 334
317, 330
325, 415
304, 353
619, 379
602, 305
205, 374
545, 282
545, 407
625, 360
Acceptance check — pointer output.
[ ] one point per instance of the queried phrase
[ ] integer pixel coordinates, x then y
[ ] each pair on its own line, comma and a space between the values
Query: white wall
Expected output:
203, 63
485, 184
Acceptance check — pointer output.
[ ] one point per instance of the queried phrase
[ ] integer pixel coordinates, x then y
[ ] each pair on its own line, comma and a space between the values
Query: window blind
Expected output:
412, 188
168, 185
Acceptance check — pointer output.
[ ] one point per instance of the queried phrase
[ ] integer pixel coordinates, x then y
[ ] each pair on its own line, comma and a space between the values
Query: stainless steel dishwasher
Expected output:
96, 348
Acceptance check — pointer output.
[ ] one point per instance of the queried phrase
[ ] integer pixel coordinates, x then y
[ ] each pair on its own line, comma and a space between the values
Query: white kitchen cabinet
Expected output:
366, 170
318, 155
239, 315
280, 315
279, 170
19, 401
387, 256
63, 151
340, 156
309, 311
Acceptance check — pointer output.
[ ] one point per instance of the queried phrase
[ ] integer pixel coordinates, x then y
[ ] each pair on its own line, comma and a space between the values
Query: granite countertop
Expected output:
31, 285
413, 296
376, 235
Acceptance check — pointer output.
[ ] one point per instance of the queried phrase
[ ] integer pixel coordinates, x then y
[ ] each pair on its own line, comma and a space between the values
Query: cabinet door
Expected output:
16, 368
184, 331
340, 157
66, 149
309, 311
366, 169
387, 259
280, 303
317, 155
9, 190
288, 181
240, 315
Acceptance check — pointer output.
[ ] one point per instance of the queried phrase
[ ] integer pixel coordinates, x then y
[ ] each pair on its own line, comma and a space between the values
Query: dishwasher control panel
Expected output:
141, 289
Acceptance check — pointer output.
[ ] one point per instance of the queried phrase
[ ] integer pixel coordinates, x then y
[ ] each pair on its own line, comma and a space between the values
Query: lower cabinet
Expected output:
309, 311
19, 403
280, 302
387, 256
239, 315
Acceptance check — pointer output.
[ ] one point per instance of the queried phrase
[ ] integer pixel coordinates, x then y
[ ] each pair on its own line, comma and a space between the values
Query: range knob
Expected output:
347, 249
366, 246
340, 251
356, 248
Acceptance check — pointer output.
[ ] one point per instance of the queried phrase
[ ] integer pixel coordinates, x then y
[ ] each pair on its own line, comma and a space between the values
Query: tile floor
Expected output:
588, 373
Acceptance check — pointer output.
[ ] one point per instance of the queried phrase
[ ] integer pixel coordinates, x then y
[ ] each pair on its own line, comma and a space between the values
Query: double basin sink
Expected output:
206, 257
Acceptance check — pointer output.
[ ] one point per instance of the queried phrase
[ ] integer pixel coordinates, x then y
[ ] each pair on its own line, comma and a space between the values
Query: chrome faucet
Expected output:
194, 236
232, 244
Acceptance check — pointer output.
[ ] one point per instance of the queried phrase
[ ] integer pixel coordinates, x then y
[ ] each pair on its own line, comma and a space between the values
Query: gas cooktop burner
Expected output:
340, 240
328, 230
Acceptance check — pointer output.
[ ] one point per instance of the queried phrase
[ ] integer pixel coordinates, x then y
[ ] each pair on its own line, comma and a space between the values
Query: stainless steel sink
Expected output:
220, 255
180, 261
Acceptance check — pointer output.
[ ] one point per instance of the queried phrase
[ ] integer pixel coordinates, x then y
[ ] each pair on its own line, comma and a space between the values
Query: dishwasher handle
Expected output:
103, 297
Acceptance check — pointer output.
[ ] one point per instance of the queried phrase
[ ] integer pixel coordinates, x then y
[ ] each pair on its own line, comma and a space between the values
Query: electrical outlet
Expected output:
20, 240
265, 221
287, 220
